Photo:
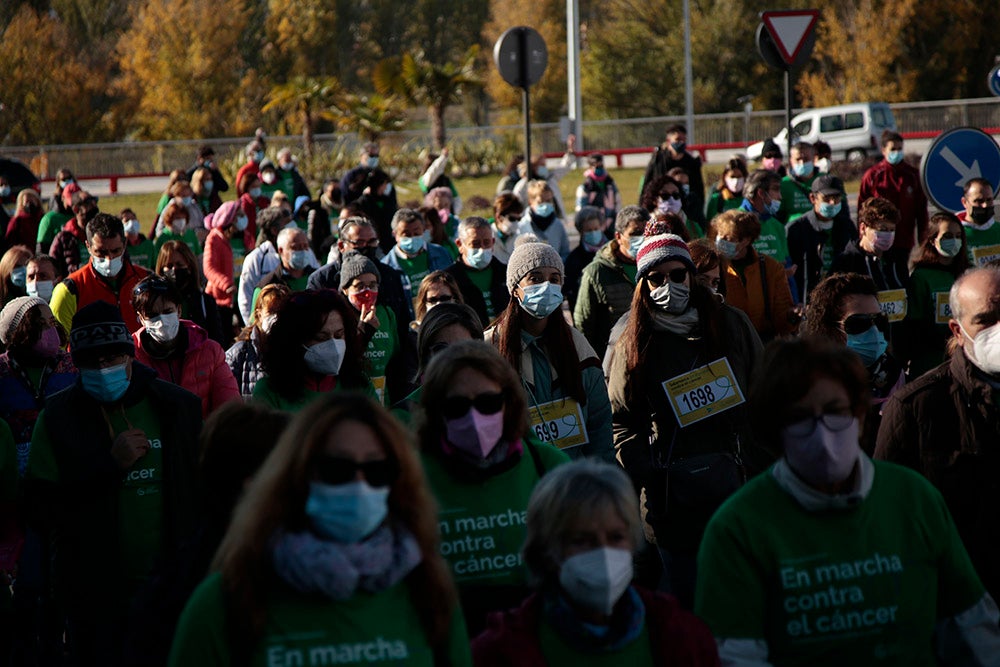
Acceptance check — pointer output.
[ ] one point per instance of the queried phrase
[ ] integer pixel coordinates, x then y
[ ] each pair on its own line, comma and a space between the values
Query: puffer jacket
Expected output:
65, 246
217, 263
201, 368
245, 363
605, 295
762, 292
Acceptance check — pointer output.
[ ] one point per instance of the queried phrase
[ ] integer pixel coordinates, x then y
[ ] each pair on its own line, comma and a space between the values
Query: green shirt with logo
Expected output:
382, 347
143, 254
415, 268
483, 280
980, 243
772, 241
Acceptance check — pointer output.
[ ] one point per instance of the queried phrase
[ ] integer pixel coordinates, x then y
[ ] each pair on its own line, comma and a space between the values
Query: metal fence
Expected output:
157, 157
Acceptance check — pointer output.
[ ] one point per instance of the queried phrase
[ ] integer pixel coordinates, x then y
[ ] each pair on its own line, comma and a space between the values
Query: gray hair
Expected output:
286, 235
472, 223
761, 179
628, 215
355, 221
953, 296
588, 213
406, 215
285, 152
583, 488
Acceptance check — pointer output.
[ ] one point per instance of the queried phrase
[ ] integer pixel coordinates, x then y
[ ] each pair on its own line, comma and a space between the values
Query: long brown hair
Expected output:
556, 339
276, 501
926, 255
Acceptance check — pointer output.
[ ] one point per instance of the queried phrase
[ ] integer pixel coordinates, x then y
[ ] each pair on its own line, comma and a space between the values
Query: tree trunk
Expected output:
437, 125
307, 133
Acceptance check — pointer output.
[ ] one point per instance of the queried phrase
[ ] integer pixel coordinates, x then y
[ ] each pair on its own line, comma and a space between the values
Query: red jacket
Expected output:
250, 167
87, 286
217, 263
202, 370
22, 230
678, 637
900, 184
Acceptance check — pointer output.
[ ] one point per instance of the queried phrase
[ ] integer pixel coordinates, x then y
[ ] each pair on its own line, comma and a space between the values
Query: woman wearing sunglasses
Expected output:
179, 350
844, 309
830, 558
665, 195
331, 556
678, 381
436, 288
482, 471
567, 396
313, 348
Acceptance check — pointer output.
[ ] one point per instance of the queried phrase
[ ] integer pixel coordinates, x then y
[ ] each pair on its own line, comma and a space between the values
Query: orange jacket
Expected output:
87, 287
747, 294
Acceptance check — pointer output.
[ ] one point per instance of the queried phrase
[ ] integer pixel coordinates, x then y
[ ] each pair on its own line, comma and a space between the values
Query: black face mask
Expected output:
179, 276
980, 215
370, 253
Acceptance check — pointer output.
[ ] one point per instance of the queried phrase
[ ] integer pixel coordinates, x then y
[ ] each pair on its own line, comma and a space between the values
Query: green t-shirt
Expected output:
140, 506
50, 225
631, 270
859, 586
980, 242
718, 204
927, 302
189, 238
366, 629
483, 280
560, 653
415, 268
382, 347
143, 254
482, 523
262, 393
795, 197
772, 240
162, 204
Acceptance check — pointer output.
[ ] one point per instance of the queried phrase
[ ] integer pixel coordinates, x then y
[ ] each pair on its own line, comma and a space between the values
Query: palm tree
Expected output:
371, 115
307, 99
423, 83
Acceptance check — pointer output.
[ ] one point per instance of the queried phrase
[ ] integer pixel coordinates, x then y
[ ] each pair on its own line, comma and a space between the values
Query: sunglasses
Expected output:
670, 195
858, 324
657, 279
152, 284
487, 404
334, 471
442, 298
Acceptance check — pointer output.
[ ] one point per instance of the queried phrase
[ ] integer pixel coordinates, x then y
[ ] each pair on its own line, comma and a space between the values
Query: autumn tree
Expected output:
48, 94
305, 100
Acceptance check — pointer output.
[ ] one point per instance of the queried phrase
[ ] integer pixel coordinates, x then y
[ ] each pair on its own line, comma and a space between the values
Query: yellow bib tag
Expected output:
559, 423
379, 384
703, 392
984, 254
942, 307
893, 304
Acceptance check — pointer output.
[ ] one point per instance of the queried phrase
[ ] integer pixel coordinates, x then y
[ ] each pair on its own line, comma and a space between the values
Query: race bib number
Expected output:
942, 308
984, 254
703, 392
379, 384
559, 423
893, 304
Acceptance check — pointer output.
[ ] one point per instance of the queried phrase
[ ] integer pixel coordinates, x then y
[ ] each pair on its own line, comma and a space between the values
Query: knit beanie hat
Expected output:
354, 264
661, 248
14, 312
224, 216
528, 257
99, 330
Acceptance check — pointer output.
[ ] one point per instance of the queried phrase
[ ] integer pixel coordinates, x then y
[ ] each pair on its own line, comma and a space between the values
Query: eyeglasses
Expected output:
441, 298
670, 195
511, 217
860, 323
370, 243
459, 406
334, 470
657, 279
835, 421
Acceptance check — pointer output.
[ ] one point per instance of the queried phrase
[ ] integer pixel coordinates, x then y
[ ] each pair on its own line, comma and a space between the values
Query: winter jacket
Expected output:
391, 292
473, 296
677, 637
946, 425
662, 161
566, 164
68, 247
605, 295
438, 259
85, 286
602, 193
889, 272
244, 360
199, 365
900, 184
577, 261
762, 293
263, 260
812, 249
23, 230
555, 234
217, 263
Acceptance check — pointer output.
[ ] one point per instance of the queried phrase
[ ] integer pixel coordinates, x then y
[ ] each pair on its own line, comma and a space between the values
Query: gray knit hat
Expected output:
14, 312
528, 257
354, 264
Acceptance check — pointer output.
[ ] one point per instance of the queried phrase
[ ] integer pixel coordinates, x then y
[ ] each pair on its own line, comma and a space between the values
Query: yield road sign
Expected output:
789, 29
953, 158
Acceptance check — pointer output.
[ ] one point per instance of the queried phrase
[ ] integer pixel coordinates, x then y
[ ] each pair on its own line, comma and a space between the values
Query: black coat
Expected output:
473, 297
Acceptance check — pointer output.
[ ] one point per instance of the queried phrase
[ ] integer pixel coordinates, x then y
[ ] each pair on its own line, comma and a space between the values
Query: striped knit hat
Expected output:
661, 248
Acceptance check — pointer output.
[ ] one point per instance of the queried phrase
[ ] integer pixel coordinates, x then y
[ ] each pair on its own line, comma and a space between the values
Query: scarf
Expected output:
310, 564
682, 325
540, 222
501, 454
627, 621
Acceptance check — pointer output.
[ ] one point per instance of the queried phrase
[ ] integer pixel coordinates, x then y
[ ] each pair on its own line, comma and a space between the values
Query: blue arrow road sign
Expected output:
956, 156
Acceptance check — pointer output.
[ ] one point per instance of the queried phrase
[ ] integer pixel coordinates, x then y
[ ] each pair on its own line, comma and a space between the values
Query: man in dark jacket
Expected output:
946, 423
110, 481
815, 238
673, 153
480, 276
608, 282
206, 159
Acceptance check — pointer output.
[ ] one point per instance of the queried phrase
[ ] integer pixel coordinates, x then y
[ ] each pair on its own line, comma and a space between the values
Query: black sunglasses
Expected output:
152, 284
670, 195
333, 470
675, 276
459, 406
860, 323
442, 298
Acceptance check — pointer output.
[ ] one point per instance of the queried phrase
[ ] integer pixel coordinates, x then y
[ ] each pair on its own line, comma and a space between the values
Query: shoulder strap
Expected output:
763, 287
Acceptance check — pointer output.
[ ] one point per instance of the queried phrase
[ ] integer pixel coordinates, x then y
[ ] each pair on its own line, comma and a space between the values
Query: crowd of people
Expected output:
735, 426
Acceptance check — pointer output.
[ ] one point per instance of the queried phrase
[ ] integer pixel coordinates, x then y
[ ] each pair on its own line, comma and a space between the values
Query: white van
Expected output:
852, 130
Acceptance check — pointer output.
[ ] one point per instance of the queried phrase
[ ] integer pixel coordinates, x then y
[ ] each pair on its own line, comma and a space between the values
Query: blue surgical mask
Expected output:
479, 258
542, 299
254, 192
869, 345
726, 248
346, 513
258, 156
106, 385
207, 186
949, 247
802, 170
829, 210
894, 157
109, 268
372, 161
544, 210
299, 260
634, 243
241, 223
412, 245
773, 206
599, 171
594, 238
543, 172
19, 276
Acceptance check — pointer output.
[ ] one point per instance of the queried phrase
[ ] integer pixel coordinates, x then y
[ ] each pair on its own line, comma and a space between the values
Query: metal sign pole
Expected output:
788, 109
523, 40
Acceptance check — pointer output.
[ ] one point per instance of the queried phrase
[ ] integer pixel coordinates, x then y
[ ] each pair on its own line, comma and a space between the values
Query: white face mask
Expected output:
596, 579
825, 456
162, 328
985, 352
326, 358
40, 288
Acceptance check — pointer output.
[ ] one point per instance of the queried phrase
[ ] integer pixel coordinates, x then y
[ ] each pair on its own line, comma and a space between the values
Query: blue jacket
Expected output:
438, 259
